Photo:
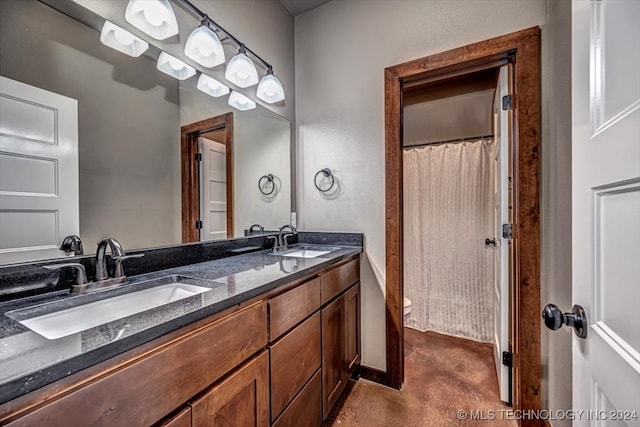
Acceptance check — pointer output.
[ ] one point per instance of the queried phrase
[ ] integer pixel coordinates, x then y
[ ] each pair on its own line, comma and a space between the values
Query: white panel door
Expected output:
213, 190
38, 172
501, 261
606, 209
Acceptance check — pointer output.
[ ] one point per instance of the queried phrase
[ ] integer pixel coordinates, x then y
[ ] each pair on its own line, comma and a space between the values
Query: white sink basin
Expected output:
68, 321
305, 253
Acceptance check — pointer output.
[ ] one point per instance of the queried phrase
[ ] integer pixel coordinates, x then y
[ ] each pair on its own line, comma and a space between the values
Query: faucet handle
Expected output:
119, 271
81, 273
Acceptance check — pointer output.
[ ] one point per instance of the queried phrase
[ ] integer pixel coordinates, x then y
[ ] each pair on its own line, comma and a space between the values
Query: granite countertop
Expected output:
29, 361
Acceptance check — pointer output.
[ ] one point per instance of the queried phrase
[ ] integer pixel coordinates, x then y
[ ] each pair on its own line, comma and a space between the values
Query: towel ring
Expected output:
269, 179
326, 172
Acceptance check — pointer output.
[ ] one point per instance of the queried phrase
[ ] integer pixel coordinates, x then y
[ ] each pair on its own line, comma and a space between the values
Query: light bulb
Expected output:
204, 47
241, 70
174, 67
241, 102
270, 89
211, 86
122, 40
154, 17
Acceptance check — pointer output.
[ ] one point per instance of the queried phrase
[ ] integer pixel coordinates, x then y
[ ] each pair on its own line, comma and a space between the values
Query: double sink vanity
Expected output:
253, 337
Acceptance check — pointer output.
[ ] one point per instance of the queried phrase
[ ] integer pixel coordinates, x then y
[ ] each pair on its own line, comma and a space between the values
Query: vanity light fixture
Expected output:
204, 47
154, 17
211, 86
241, 71
122, 40
241, 102
270, 89
174, 67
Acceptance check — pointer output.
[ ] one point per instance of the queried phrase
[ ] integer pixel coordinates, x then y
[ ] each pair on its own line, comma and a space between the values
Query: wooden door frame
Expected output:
522, 48
189, 135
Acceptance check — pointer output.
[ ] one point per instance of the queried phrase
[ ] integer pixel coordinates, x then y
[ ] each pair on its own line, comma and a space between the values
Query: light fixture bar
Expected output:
191, 8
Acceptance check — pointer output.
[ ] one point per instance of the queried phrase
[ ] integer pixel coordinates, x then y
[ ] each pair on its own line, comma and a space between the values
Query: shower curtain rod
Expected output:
470, 138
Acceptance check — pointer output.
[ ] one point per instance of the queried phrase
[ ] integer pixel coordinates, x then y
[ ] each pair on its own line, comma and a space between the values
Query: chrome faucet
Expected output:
102, 275
101, 256
282, 236
72, 244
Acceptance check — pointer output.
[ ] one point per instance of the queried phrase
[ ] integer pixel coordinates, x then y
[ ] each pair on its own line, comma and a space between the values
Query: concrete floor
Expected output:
443, 375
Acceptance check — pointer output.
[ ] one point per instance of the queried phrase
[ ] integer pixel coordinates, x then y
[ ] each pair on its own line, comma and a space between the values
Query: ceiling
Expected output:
298, 7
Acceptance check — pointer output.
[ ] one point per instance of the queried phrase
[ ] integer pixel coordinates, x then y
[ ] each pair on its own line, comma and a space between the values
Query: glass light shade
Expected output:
174, 67
204, 47
241, 102
241, 71
211, 86
122, 40
154, 17
270, 89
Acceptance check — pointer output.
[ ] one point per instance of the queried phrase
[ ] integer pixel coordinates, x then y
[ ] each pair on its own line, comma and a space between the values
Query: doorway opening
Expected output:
206, 152
457, 264
520, 50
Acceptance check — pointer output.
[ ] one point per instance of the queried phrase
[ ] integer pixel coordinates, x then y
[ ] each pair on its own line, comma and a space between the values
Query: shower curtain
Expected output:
448, 213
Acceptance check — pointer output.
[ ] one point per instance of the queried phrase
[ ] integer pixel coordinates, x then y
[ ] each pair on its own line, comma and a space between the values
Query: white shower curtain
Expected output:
448, 213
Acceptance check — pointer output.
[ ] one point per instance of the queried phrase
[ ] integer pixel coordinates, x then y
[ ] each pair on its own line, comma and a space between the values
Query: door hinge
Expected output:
198, 157
507, 359
507, 231
507, 102
198, 224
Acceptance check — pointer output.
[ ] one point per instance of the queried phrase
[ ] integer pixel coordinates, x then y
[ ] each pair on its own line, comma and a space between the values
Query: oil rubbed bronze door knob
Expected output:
489, 241
554, 318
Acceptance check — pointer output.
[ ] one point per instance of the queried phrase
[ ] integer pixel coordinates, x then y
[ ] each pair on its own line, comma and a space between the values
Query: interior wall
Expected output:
342, 49
555, 204
466, 115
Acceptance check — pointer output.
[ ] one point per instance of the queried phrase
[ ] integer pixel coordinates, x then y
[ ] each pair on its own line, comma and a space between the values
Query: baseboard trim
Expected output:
373, 374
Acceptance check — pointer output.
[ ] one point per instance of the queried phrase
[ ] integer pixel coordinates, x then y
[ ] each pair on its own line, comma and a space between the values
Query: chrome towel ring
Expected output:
326, 172
267, 181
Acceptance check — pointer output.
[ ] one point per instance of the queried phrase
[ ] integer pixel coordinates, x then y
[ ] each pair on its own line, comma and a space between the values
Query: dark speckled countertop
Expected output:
29, 361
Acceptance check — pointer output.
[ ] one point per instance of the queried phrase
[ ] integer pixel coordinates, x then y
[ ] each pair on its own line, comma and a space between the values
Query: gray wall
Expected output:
342, 49
555, 203
129, 170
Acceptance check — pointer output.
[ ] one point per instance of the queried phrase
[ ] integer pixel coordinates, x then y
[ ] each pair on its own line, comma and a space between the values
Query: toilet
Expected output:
406, 307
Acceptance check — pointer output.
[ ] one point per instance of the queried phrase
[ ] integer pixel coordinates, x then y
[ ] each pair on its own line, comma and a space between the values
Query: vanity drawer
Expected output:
147, 390
294, 359
292, 307
339, 279
306, 408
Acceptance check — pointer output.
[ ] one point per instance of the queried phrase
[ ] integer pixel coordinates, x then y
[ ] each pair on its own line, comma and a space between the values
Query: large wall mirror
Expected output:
131, 124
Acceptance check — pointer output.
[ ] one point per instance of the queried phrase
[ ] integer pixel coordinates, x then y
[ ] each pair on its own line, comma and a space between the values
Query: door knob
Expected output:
577, 319
489, 241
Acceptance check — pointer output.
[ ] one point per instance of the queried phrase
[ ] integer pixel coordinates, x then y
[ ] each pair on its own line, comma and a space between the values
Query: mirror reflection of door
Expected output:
213, 186
207, 179
39, 202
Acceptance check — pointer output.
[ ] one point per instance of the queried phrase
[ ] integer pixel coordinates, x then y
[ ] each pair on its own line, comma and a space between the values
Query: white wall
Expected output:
555, 203
341, 51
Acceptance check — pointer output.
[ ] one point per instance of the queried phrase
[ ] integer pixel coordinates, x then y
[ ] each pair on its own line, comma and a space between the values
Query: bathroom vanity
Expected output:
273, 342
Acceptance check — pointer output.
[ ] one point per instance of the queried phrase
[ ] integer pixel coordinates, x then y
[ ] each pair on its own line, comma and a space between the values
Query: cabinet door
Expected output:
183, 419
351, 329
333, 371
241, 400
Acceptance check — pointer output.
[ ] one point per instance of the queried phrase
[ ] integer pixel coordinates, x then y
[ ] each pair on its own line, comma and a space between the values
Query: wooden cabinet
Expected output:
283, 358
333, 377
294, 359
352, 329
183, 419
340, 345
240, 400
306, 408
